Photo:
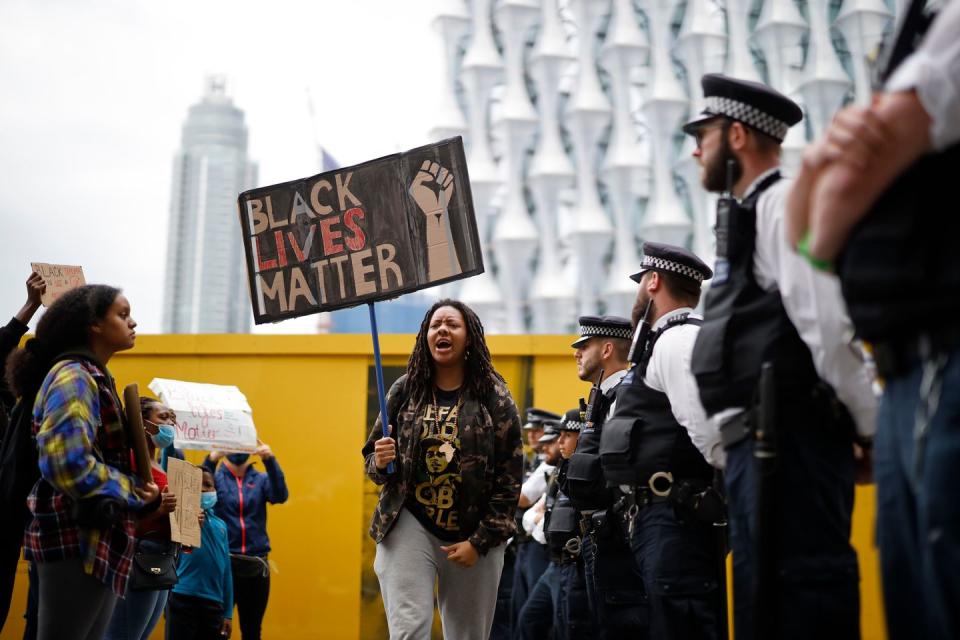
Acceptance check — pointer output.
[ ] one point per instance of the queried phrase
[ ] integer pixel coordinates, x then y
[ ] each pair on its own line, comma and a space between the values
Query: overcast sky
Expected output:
93, 95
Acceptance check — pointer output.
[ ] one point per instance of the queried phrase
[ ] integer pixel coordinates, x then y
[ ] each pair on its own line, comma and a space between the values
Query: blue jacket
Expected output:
205, 572
242, 503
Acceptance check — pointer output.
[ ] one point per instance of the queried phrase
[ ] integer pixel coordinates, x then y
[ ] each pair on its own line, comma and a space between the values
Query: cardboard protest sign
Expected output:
59, 279
138, 438
209, 416
186, 482
359, 234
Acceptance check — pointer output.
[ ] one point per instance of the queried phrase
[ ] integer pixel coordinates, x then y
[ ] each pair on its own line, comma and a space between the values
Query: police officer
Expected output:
531, 556
614, 588
658, 446
563, 580
880, 186
776, 373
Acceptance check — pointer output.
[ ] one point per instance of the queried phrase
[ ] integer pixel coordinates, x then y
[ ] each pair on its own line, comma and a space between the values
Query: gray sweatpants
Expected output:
73, 605
408, 564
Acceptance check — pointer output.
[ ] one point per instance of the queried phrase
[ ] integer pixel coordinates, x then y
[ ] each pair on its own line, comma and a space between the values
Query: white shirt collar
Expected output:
756, 182
665, 318
612, 380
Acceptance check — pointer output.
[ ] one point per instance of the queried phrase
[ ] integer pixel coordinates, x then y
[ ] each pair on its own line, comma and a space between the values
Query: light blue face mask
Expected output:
163, 438
208, 499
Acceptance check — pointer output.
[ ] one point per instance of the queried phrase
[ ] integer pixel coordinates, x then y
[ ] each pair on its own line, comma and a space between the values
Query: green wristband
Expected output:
803, 248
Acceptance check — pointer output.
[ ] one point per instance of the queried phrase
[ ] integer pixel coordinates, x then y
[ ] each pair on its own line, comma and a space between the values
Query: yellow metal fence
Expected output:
311, 398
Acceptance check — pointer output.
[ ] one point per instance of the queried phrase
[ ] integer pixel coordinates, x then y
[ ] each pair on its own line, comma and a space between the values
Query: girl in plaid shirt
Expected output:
81, 535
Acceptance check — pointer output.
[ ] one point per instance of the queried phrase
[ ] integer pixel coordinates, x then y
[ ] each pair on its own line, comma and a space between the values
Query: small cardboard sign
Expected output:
185, 481
210, 417
59, 279
369, 232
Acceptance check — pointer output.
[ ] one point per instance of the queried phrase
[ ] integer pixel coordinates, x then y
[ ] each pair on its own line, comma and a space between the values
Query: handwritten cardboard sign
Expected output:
359, 234
209, 416
186, 482
59, 279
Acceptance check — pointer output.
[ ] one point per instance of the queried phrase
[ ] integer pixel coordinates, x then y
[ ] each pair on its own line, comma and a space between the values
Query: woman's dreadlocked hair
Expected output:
480, 378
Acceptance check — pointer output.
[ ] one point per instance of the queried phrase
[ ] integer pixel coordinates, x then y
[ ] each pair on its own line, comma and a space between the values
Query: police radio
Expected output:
596, 409
725, 204
637, 346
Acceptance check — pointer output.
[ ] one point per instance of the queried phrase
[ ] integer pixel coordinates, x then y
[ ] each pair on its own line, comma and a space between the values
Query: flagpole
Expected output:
378, 365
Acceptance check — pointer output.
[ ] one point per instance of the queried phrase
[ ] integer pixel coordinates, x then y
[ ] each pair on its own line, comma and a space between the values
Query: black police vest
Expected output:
643, 437
562, 518
744, 325
585, 483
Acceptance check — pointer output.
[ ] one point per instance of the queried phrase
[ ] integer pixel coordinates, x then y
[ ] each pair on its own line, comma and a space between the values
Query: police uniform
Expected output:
531, 558
656, 447
571, 608
767, 309
901, 279
535, 617
614, 589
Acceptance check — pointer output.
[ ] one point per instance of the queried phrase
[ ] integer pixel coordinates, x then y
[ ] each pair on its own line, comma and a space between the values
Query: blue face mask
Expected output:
208, 499
238, 458
164, 437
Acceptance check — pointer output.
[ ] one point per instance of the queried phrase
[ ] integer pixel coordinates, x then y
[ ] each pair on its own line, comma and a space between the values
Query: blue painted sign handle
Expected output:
378, 365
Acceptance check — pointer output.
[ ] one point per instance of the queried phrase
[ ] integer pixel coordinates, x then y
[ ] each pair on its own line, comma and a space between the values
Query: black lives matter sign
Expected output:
360, 234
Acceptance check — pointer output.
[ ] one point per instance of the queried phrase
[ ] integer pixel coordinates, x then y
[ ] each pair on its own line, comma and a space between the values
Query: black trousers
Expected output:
192, 618
615, 591
250, 594
816, 593
678, 562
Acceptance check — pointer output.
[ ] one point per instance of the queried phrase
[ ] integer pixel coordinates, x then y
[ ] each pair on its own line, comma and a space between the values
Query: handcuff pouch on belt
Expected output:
617, 450
563, 540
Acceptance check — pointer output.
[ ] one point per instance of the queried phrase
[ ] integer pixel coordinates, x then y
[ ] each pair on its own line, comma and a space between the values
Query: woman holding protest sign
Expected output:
81, 534
447, 509
135, 616
243, 493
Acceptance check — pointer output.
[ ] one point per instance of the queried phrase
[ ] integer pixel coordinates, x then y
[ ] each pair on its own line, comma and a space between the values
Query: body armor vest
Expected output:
744, 325
643, 436
562, 518
585, 484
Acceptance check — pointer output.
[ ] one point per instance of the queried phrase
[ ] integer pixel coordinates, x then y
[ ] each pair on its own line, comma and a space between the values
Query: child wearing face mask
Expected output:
201, 604
244, 493
137, 614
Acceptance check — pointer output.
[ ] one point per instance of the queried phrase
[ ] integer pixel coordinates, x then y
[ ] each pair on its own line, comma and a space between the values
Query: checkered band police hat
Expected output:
571, 421
603, 326
755, 105
674, 259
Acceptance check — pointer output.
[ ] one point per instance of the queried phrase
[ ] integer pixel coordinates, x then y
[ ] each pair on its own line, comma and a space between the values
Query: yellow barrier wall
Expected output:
310, 396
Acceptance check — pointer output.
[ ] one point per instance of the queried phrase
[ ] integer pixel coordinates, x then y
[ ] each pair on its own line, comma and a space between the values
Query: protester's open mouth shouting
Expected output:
447, 336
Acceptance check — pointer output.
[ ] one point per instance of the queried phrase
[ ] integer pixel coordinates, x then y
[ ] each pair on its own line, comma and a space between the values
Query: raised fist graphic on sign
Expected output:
432, 189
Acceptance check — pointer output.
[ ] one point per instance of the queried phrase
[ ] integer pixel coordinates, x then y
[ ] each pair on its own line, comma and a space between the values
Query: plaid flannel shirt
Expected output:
83, 453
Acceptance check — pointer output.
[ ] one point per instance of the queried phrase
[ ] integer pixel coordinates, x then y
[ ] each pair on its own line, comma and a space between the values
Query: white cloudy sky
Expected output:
93, 95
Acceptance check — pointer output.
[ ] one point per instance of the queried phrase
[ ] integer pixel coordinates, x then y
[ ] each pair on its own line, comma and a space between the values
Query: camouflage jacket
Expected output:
490, 465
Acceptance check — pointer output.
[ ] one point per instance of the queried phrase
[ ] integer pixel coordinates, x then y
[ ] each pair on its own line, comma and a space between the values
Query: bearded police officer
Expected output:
776, 372
658, 446
614, 589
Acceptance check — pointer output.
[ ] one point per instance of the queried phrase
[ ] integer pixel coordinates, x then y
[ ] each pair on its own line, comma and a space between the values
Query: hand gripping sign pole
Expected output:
378, 365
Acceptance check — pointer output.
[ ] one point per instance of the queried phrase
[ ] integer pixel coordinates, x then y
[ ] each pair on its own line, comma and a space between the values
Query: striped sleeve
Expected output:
68, 412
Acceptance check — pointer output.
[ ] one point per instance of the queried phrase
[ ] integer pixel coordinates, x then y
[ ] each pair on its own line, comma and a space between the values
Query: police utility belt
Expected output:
694, 500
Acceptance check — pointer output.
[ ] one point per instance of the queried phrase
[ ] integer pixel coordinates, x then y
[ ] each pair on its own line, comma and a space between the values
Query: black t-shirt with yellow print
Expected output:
432, 498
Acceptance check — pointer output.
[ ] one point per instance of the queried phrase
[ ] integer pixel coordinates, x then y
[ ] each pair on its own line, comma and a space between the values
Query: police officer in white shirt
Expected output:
658, 446
877, 193
616, 595
768, 307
